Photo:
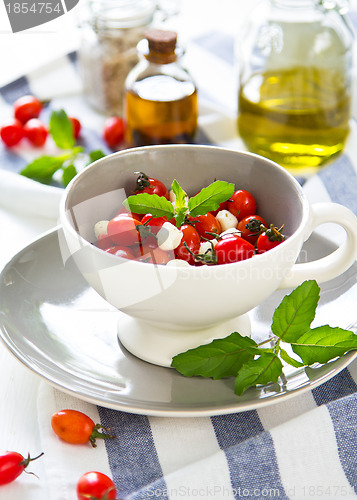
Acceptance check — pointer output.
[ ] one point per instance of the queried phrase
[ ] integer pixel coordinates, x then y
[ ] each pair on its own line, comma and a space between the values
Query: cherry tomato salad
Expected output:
219, 225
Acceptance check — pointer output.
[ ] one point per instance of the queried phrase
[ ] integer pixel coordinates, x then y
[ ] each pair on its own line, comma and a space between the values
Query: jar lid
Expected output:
161, 41
122, 13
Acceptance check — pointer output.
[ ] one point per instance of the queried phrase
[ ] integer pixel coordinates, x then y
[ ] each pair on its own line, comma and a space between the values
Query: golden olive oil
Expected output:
297, 117
161, 110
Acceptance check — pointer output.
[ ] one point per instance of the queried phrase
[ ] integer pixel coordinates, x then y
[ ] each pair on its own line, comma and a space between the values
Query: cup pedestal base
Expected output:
159, 345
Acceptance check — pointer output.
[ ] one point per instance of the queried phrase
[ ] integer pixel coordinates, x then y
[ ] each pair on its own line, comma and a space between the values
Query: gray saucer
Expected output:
55, 324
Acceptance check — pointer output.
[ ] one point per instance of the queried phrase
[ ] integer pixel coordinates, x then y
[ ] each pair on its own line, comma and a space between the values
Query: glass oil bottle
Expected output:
160, 105
295, 64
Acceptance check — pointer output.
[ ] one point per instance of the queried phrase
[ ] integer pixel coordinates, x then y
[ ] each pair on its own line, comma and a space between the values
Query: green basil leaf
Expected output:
69, 172
221, 358
95, 155
296, 311
61, 130
288, 359
180, 195
210, 197
180, 216
144, 203
43, 168
321, 344
267, 368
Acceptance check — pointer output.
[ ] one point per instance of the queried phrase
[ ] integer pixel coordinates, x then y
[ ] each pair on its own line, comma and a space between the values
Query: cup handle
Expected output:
337, 262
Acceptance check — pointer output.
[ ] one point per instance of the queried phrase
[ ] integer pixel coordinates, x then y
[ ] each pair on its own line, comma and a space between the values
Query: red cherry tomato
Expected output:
12, 133
155, 255
122, 230
250, 227
123, 210
27, 107
145, 184
95, 485
233, 248
36, 132
76, 125
192, 240
154, 223
104, 241
124, 252
12, 464
241, 204
269, 239
114, 131
75, 427
206, 224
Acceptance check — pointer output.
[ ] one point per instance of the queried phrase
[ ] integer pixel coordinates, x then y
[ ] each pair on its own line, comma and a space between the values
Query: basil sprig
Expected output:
252, 364
208, 199
42, 169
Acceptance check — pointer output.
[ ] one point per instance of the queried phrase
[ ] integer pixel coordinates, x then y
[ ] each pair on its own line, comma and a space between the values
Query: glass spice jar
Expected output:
110, 32
295, 61
161, 97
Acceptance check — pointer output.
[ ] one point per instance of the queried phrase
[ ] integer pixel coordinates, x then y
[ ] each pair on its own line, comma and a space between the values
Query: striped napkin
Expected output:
303, 447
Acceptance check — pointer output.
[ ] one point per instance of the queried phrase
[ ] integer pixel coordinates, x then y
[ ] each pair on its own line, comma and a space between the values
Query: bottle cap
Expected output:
161, 41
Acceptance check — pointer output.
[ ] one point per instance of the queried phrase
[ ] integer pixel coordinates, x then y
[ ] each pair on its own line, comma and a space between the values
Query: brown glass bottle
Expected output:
160, 103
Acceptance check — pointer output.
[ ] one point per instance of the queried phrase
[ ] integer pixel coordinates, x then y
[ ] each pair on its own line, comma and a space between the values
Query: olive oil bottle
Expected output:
161, 98
296, 117
294, 97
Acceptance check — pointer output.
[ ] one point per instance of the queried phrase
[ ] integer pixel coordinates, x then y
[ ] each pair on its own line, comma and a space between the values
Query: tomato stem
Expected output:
203, 257
96, 434
141, 182
25, 462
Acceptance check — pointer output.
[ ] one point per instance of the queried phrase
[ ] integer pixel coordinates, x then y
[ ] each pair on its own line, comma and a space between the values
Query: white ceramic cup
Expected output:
185, 306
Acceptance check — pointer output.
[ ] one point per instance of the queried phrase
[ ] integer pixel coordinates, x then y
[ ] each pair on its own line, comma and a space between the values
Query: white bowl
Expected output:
195, 302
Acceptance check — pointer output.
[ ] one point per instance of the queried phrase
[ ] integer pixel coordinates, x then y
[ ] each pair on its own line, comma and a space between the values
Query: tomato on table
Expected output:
96, 485
12, 464
242, 203
36, 132
250, 227
76, 126
122, 230
11, 133
149, 185
114, 131
233, 248
75, 427
27, 107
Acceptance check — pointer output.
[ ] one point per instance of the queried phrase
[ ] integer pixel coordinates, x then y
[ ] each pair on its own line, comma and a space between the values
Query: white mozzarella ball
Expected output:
101, 228
232, 230
169, 237
226, 220
172, 196
206, 247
